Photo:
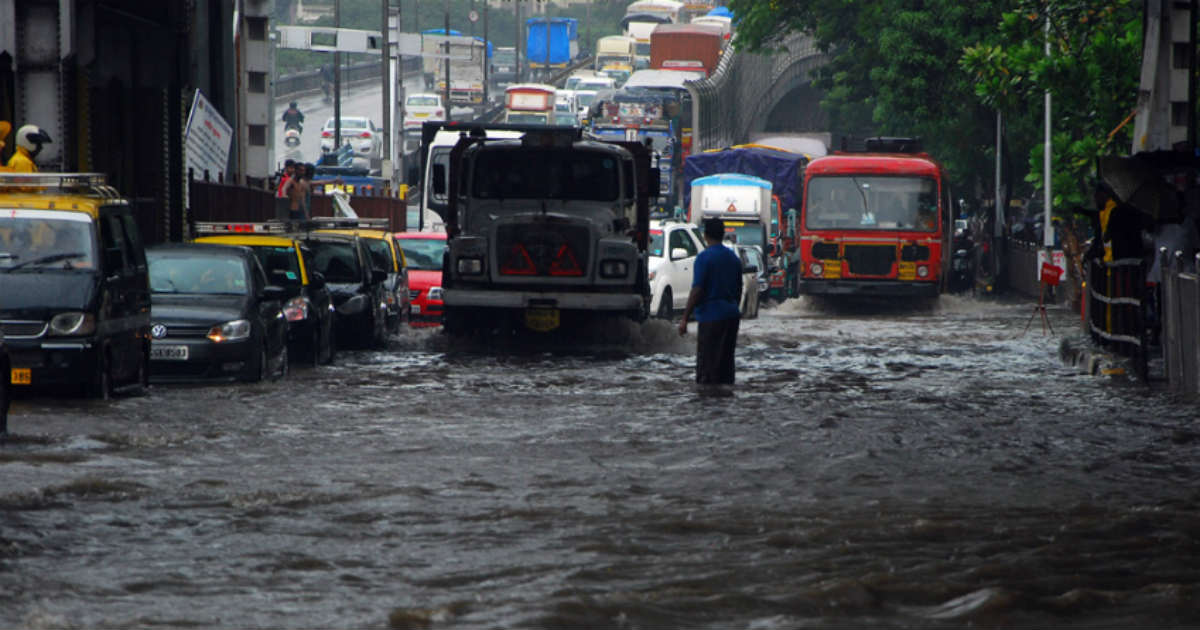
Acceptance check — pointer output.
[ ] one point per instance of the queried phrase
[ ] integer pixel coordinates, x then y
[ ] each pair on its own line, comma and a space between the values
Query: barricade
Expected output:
1116, 314
1181, 320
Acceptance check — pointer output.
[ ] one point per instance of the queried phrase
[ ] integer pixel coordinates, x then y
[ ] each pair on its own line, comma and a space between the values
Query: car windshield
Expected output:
422, 101
871, 203
585, 98
348, 123
513, 173
202, 274
336, 260
281, 264
381, 254
43, 242
423, 253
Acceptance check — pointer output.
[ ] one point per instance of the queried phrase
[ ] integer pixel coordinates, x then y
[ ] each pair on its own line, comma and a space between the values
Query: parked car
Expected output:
421, 108
356, 287
386, 254
74, 292
359, 132
215, 316
755, 281
307, 305
673, 249
424, 251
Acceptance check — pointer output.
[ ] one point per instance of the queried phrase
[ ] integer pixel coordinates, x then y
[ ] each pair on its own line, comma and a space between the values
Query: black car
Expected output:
5, 389
357, 288
213, 315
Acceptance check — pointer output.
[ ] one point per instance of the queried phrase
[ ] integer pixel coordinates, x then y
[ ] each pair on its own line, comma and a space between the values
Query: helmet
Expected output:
31, 138
292, 104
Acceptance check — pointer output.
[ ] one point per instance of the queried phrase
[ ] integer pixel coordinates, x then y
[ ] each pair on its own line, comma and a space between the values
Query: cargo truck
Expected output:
743, 202
674, 43
467, 57
614, 49
546, 53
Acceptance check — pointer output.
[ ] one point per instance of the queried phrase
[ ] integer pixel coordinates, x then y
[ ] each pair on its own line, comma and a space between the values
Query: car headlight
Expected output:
614, 268
236, 330
470, 266
435, 293
72, 323
356, 304
296, 309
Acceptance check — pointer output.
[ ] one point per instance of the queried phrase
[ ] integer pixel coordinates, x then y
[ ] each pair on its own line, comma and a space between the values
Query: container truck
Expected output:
555, 51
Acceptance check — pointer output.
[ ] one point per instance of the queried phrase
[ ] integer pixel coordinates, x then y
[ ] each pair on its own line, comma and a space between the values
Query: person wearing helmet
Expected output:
30, 139
292, 118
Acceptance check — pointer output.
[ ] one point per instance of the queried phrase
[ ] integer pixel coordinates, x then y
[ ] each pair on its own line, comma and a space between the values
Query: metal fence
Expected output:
233, 203
302, 82
1181, 320
1115, 308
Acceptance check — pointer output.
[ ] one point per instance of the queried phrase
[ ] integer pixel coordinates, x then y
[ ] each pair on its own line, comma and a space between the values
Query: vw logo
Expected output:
158, 331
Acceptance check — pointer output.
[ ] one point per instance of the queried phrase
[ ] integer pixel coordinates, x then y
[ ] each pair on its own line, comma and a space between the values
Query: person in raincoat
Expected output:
30, 139
5, 127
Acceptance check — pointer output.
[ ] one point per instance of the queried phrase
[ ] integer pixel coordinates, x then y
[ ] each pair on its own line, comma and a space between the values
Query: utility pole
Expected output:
486, 62
517, 40
546, 15
337, 81
446, 32
385, 63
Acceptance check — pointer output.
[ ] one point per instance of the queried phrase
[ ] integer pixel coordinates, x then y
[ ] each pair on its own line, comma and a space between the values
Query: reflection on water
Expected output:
875, 465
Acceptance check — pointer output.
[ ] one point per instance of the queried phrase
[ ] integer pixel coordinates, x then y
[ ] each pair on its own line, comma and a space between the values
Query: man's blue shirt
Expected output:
718, 271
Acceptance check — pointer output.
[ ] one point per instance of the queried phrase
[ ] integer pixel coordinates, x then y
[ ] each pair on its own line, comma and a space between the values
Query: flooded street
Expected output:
871, 468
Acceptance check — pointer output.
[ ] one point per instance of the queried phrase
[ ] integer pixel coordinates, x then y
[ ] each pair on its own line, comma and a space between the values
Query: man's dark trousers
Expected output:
715, 343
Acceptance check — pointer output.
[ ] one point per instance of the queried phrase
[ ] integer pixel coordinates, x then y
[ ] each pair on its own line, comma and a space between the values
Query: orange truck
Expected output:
671, 44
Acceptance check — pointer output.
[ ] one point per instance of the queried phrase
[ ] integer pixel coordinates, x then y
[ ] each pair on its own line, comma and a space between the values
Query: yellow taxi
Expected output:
308, 305
386, 255
75, 284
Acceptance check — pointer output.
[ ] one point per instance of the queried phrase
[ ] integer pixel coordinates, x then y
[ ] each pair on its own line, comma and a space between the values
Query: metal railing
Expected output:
303, 82
1115, 307
1180, 318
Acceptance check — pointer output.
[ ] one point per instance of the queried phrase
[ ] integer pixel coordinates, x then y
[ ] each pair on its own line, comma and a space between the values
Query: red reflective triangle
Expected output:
731, 208
518, 263
565, 263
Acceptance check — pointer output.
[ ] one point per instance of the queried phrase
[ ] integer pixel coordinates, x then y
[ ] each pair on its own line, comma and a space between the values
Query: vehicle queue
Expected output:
90, 309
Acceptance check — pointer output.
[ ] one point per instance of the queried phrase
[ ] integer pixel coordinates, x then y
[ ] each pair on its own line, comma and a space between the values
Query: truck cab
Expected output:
545, 230
743, 202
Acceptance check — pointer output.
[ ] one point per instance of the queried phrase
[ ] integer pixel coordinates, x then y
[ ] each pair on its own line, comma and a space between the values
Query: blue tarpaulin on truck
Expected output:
562, 32
783, 169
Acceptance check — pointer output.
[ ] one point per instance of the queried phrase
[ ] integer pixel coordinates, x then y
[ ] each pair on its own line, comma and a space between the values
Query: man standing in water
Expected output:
716, 289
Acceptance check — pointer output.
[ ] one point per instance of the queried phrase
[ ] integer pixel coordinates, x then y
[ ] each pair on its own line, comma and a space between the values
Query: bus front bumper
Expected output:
869, 288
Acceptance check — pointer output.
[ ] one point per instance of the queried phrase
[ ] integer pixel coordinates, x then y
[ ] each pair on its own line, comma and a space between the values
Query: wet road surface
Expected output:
873, 467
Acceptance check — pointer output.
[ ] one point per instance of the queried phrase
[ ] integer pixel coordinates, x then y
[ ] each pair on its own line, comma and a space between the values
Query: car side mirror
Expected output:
272, 292
378, 276
316, 279
678, 253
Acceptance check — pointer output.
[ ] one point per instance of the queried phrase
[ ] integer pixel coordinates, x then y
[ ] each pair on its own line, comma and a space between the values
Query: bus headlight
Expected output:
922, 271
815, 269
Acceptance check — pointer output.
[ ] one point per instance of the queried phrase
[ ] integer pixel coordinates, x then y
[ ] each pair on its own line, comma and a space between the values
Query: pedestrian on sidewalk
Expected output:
716, 290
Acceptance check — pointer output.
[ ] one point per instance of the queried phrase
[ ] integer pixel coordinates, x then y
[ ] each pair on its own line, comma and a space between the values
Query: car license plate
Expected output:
21, 376
541, 319
420, 114
169, 353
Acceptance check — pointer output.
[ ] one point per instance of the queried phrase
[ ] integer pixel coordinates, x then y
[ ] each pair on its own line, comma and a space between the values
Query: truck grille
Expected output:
550, 248
16, 329
870, 260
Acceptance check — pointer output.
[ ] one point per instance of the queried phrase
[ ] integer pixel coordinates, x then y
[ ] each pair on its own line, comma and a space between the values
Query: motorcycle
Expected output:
291, 134
962, 271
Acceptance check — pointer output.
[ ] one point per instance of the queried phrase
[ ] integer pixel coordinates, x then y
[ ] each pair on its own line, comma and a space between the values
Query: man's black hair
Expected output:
714, 229
289, 162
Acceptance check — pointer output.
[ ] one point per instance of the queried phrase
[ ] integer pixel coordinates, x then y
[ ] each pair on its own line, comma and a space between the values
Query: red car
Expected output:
424, 250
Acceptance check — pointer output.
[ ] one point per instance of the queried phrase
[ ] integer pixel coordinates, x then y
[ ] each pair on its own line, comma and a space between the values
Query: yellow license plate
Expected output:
420, 114
832, 269
21, 376
541, 319
907, 270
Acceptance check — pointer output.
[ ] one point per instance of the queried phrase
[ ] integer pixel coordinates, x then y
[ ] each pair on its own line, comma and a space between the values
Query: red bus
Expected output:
876, 222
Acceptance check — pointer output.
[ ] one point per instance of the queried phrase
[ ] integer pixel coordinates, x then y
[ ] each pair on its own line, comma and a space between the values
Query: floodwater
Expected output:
873, 467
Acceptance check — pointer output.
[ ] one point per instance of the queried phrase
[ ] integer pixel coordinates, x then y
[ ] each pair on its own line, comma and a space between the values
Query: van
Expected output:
76, 293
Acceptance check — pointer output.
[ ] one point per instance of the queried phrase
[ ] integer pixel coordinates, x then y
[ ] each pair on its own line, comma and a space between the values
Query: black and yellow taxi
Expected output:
356, 287
287, 262
386, 254
75, 311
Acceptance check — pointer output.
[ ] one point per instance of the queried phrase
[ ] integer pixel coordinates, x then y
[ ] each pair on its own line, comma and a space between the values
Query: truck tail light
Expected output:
565, 263
518, 262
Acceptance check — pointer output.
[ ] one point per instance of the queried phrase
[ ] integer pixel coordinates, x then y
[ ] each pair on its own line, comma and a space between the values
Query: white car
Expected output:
754, 279
576, 77
422, 107
359, 132
673, 249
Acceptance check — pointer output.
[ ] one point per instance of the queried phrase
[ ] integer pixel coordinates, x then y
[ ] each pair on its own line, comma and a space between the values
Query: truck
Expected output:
547, 231
785, 171
651, 118
743, 202
673, 43
467, 57
554, 51
504, 67
614, 49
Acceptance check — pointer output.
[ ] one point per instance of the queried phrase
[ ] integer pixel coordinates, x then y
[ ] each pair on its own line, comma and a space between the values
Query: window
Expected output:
256, 29
257, 82
133, 237
258, 135
113, 239
679, 238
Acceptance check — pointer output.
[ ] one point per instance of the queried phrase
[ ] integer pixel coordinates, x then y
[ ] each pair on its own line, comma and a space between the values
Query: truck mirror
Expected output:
654, 182
439, 179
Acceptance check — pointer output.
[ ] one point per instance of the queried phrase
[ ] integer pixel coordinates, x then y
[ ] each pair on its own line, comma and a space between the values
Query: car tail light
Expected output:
326, 134
296, 309
365, 134
565, 263
439, 113
518, 263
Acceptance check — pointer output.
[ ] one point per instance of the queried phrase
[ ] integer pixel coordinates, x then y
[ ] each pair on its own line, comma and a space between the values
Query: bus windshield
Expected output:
867, 202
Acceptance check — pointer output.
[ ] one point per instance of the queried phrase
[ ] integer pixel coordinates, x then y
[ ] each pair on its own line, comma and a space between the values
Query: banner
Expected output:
206, 140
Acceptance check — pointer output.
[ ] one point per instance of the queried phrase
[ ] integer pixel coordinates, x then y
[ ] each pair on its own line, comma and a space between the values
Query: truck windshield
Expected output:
572, 175
39, 241
871, 203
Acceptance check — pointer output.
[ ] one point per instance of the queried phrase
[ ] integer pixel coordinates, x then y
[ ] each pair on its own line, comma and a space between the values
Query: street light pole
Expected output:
337, 81
446, 32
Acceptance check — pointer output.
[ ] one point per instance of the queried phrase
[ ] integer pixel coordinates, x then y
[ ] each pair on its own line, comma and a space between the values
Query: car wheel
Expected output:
143, 375
666, 306
260, 371
315, 348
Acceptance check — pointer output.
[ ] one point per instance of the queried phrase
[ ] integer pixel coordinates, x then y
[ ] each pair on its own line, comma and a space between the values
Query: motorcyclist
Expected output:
30, 139
293, 118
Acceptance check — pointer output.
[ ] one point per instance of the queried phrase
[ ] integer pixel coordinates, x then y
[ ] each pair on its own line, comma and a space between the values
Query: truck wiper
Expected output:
48, 259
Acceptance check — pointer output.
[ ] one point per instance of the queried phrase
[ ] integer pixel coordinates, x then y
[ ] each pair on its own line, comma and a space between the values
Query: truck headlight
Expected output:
470, 266
435, 293
235, 330
72, 323
614, 269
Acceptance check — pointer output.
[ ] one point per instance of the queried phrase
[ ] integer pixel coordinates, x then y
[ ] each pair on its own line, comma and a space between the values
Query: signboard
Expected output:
1050, 274
1058, 259
206, 139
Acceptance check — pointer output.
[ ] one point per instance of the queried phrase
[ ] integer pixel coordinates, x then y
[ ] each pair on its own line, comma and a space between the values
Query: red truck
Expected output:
674, 43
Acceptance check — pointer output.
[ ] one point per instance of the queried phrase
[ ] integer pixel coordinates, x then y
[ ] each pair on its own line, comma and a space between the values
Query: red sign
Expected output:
1050, 274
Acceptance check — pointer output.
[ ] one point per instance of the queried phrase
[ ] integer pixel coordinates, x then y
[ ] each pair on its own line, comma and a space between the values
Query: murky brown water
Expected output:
887, 469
